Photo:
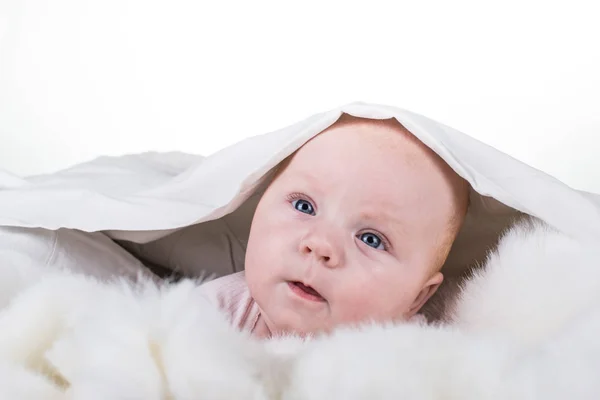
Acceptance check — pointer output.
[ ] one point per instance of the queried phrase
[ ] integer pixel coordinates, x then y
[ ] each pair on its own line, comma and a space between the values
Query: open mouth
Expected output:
305, 291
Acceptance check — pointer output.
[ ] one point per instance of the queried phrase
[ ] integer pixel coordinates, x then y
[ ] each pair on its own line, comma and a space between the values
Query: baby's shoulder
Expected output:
235, 281
231, 295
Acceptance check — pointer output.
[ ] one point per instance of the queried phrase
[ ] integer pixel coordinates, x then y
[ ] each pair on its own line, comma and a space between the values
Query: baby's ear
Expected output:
429, 288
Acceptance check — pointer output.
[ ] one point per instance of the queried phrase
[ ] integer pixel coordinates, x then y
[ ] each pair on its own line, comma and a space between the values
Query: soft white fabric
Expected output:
91, 253
526, 327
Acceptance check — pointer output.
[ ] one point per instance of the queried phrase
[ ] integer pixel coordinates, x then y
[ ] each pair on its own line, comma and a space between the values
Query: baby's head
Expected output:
355, 227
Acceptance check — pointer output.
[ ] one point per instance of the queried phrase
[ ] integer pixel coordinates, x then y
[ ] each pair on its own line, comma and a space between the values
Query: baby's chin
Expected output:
301, 330
297, 326
305, 329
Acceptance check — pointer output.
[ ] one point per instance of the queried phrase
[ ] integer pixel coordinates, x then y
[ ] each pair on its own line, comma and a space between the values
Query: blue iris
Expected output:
371, 239
303, 206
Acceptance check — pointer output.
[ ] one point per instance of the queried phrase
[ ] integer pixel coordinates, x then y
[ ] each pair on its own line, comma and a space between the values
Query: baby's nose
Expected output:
322, 250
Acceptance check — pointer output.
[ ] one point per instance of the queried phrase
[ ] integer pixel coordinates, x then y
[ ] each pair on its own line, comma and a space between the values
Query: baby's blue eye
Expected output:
303, 206
371, 240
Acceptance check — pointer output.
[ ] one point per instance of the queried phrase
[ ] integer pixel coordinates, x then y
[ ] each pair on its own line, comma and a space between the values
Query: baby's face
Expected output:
352, 230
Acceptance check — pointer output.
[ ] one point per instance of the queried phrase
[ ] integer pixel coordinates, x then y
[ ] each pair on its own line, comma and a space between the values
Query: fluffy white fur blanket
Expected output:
524, 327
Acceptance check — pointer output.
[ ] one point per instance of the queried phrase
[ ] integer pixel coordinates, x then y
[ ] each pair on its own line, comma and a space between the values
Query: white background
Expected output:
82, 78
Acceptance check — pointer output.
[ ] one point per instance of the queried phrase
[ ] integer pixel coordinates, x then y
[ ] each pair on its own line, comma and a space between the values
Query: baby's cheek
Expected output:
354, 305
382, 302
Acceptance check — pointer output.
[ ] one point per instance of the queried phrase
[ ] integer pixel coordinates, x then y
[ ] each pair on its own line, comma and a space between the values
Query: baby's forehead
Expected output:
365, 143
368, 180
379, 159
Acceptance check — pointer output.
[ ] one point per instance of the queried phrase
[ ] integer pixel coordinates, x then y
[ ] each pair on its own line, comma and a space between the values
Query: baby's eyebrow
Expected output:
305, 177
380, 216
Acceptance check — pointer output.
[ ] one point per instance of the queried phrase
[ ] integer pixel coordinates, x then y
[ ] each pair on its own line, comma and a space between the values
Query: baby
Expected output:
354, 228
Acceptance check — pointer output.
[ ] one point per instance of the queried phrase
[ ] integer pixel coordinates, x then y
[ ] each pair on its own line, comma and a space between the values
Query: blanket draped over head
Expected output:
518, 316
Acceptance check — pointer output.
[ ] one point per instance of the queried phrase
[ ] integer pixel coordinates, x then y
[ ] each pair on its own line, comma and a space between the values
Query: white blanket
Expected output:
524, 328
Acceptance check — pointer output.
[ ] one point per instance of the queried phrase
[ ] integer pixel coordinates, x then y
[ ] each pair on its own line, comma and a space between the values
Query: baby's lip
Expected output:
305, 291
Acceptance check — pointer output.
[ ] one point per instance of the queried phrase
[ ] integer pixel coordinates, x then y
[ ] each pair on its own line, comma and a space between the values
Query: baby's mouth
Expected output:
305, 291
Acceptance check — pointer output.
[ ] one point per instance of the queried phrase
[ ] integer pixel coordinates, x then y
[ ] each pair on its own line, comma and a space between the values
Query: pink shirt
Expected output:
231, 295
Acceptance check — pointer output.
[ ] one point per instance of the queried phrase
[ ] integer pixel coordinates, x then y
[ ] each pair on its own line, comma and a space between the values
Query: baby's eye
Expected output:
303, 206
372, 240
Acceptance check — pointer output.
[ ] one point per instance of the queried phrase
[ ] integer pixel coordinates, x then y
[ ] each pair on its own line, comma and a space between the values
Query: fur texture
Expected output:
523, 327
